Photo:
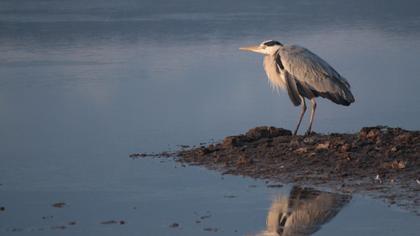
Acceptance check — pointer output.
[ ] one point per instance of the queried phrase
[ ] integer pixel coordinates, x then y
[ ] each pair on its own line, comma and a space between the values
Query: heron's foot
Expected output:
295, 133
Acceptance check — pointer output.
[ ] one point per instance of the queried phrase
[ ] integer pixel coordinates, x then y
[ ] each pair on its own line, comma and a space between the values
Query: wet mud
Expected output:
381, 162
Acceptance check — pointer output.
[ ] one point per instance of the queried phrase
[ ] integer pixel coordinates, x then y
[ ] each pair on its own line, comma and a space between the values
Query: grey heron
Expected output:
304, 75
303, 212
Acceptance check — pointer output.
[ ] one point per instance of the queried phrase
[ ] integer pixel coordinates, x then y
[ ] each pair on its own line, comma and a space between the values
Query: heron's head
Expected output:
268, 47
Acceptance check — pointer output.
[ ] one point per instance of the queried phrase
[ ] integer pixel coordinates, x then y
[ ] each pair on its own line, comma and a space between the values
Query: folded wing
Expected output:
310, 76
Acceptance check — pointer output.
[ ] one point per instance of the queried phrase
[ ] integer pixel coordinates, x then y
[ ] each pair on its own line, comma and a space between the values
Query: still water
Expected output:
83, 85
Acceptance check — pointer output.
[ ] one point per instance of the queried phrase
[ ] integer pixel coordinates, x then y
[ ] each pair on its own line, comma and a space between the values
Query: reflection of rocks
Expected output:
303, 212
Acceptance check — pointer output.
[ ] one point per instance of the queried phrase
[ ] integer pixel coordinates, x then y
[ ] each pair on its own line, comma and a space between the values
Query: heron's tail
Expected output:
341, 94
349, 97
346, 93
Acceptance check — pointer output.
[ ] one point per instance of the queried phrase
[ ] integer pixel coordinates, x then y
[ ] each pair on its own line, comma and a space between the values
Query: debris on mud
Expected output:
110, 222
61, 227
274, 185
379, 161
72, 223
211, 229
205, 217
174, 225
141, 155
59, 204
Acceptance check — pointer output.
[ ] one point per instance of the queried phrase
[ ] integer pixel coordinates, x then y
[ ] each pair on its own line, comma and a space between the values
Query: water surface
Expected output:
82, 86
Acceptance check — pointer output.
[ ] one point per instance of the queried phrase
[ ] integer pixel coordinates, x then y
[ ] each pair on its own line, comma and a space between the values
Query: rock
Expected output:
294, 142
399, 164
203, 151
266, 132
243, 160
211, 229
133, 155
373, 134
163, 154
109, 222
362, 134
370, 133
59, 227
174, 225
323, 146
403, 138
309, 140
234, 141
16, 230
345, 147
59, 204
275, 186
205, 217
301, 150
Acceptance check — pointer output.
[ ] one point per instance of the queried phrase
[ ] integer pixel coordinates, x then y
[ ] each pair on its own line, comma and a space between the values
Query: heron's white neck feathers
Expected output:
272, 50
274, 74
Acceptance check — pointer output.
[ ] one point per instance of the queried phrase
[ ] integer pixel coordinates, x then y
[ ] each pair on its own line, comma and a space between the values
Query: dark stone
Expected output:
174, 225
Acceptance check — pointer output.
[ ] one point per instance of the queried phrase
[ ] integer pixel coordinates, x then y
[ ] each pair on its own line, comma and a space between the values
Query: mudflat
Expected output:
381, 162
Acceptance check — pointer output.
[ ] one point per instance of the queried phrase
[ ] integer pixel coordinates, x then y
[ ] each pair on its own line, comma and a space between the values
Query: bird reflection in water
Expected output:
303, 212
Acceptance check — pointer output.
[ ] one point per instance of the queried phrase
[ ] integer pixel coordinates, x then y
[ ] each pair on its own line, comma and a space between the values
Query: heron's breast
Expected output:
274, 74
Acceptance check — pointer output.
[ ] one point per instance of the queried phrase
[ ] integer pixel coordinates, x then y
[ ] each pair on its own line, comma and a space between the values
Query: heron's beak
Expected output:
253, 48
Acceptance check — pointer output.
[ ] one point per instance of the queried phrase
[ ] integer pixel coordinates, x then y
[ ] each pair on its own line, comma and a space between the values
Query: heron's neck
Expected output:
273, 50
273, 73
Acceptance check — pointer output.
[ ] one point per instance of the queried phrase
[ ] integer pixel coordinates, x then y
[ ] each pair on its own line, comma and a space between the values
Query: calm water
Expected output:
83, 85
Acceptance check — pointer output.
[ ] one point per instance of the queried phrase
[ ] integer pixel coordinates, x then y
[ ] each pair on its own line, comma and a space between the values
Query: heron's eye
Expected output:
263, 46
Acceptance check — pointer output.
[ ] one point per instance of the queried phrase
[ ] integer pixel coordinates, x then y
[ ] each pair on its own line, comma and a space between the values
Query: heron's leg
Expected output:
313, 108
302, 112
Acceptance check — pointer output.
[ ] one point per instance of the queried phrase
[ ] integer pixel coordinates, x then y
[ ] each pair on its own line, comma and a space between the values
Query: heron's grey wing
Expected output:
314, 75
292, 89
289, 82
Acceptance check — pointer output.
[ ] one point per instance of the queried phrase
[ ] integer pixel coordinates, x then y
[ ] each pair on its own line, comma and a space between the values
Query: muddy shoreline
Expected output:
381, 162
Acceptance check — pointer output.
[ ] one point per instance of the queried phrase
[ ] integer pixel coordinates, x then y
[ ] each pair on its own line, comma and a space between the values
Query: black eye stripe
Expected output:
272, 43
